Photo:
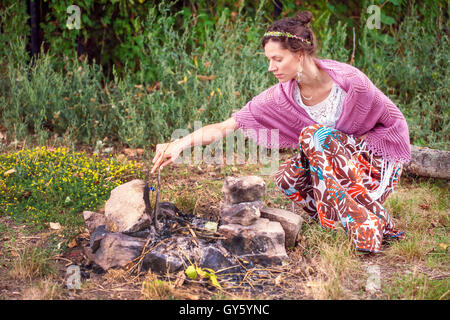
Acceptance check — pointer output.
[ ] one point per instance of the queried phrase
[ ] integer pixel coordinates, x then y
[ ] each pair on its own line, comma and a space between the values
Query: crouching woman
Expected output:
351, 138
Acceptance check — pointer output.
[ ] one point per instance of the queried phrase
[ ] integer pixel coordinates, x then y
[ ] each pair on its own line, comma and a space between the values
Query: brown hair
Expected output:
298, 26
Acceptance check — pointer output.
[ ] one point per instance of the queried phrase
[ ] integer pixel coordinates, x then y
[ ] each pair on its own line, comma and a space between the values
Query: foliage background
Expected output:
137, 70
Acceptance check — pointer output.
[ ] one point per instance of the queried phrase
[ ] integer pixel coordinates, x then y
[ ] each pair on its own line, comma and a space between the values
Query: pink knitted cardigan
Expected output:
365, 110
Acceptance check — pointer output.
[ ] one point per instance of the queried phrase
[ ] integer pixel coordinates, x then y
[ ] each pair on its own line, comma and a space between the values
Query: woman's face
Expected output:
283, 63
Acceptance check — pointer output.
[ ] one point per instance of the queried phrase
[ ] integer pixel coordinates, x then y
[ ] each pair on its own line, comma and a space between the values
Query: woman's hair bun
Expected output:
304, 16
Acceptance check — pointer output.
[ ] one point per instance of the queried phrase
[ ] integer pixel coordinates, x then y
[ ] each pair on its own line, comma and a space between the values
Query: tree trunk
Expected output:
34, 24
429, 162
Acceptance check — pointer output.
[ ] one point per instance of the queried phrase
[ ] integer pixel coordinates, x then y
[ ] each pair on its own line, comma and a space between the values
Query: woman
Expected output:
351, 139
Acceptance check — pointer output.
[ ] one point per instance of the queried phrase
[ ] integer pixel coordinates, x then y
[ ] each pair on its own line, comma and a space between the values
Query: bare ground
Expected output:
320, 266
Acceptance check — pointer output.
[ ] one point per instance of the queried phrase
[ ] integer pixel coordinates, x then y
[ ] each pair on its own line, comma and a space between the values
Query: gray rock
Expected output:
125, 209
290, 222
162, 262
96, 238
168, 209
92, 220
213, 258
244, 213
180, 252
261, 242
170, 257
243, 189
117, 249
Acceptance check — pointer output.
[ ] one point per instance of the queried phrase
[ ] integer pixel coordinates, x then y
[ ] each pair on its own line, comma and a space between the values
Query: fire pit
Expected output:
164, 240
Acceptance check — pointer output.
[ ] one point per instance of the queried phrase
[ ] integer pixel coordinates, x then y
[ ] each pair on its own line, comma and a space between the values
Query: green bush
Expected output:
138, 111
184, 63
411, 68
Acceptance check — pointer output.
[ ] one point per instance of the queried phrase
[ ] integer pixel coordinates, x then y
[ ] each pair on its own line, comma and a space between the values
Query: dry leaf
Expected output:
424, 206
278, 280
156, 86
55, 225
205, 78
211, 226
179, 279
72, 243
190, 296
7, 173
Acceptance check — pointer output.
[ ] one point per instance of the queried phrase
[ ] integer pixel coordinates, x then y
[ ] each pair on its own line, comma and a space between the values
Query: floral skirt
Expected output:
335, 178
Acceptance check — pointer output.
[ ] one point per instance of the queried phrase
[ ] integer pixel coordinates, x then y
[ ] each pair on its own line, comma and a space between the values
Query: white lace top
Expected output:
326, 112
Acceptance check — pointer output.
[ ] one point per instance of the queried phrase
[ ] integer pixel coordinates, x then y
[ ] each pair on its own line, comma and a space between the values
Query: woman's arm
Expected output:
166, 153
208, 134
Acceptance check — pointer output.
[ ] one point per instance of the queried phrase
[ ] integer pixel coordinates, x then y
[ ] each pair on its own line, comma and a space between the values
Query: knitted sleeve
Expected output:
390, 135
267, 135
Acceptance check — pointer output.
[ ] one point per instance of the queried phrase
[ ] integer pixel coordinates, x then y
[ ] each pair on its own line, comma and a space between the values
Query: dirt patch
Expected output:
310, 272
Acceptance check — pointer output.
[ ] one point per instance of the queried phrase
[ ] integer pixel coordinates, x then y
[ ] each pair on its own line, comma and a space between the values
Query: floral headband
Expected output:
284, 34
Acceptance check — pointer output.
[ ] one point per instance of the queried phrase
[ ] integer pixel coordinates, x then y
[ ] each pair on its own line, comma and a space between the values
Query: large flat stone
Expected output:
92, 220
243, 189
261, 242
172, 258
214, 258
244, 213
162, 262
125, 209
116, 250
290, 222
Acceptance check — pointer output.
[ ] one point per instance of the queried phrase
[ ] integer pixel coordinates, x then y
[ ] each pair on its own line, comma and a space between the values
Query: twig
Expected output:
354, 47
137, 261
441, 297
61, 258
179, 249
193, 235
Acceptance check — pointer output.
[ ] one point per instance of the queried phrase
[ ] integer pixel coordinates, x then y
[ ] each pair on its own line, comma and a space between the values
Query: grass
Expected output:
45, 289
31, 262
417, 286
44, 184
156, 289
323, 265
334, 261
422, 210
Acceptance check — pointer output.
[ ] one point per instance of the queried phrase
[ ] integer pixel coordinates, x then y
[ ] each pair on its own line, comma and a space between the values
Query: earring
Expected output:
299, 74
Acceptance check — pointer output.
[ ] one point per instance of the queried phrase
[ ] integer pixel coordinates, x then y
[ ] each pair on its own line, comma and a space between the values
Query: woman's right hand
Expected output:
165, 154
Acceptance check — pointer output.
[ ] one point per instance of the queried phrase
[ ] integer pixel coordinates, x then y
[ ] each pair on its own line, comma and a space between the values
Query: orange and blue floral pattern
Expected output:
331, 177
